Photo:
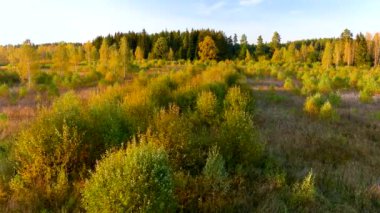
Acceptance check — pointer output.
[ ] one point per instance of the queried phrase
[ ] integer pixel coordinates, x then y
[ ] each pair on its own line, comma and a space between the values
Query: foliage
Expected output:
160, 49
214, 171
137, 178
207, 106
8, 77
50, 158
4, 90
327, 111
289, 85
312, 104
303, 192
207, 49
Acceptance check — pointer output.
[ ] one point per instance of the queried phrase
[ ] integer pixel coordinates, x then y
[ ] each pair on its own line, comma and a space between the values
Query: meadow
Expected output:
116, 131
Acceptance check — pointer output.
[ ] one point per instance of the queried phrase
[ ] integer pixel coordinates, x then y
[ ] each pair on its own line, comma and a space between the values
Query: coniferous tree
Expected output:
160, 48
260, 51
276, 41
243, 46
361, 51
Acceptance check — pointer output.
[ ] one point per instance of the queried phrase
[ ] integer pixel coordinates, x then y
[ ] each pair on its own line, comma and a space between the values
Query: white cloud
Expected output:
209, 9
250, 2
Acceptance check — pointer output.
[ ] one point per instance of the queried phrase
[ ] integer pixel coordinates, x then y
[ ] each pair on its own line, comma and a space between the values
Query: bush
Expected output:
173, 131
303, 192
324, 85
214, 171
365, 96
22, 92
311, 106
4, 90
236, 99
289, 85
327, 111
238, 140
49, 158
107, 123
136, 179
206, 106
335, 99
42, 78
9, 78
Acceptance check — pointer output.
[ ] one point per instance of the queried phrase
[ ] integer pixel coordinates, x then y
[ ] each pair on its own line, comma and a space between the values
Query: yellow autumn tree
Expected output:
27, 61
124, 54
90, 54
61, 58
337, 55
376, 49
348, 53
207, 49
139, 53
114, 65
327, 58
103, 57
75, 54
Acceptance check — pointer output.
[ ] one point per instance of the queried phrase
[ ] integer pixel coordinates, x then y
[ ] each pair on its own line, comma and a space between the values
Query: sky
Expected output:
45, 21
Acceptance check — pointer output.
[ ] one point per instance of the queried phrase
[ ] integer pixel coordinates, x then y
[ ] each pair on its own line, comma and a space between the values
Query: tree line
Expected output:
111, 55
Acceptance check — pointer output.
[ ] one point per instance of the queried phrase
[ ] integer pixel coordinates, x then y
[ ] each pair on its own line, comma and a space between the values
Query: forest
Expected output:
192, 121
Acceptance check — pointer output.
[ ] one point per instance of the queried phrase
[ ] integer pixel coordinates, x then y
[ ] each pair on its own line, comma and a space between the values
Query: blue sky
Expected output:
45, 21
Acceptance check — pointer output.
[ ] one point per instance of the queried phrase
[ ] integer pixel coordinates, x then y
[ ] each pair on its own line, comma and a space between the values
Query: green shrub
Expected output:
136, 179
335, 99
214, 171
173, 131
303, 192
42, 78
338, 82
10, 78
238, 140
160, 92
107, 125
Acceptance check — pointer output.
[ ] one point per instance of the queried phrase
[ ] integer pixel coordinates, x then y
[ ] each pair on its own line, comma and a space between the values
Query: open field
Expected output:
191, 121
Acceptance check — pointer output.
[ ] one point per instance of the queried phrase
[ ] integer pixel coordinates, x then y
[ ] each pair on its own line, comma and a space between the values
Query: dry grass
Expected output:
344, 155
